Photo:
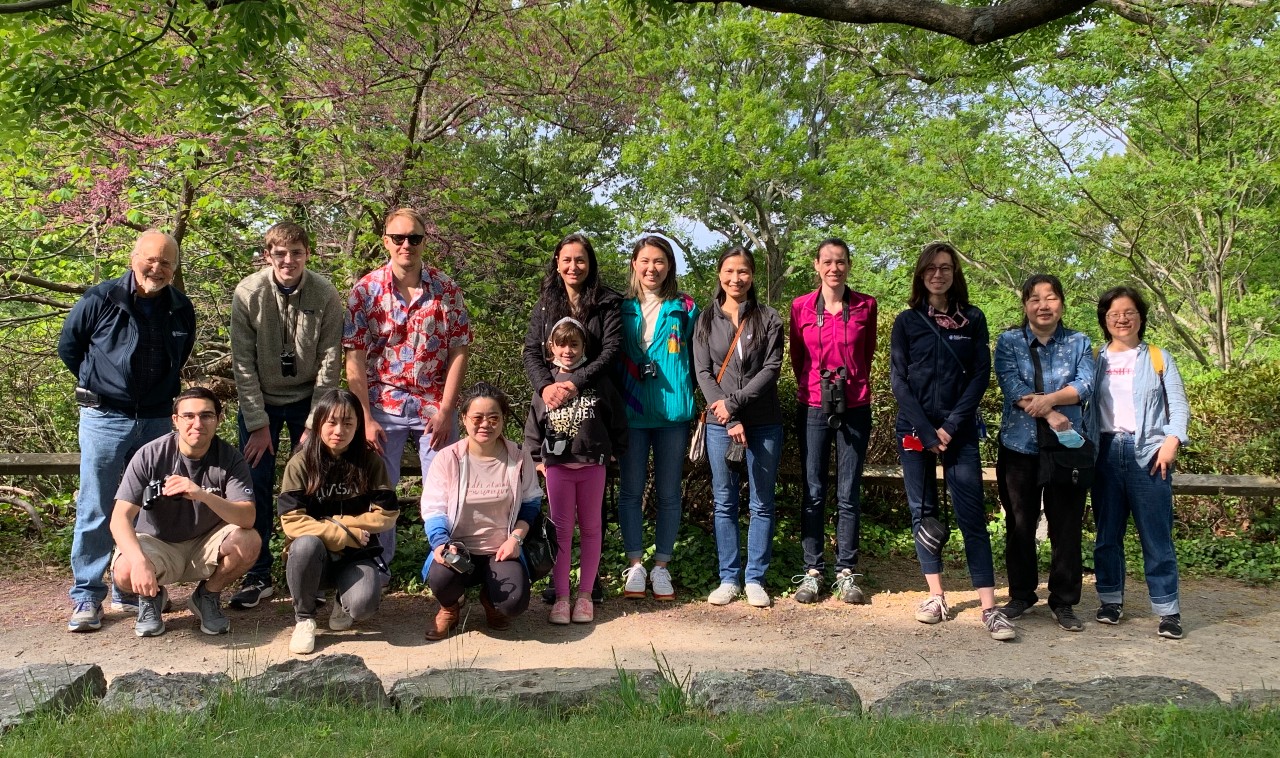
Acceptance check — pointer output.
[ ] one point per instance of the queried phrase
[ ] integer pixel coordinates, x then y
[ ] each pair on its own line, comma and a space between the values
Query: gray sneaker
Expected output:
726, 593
206, 606
150, 623
847, 589
757, 595
999, 626
85, 617
809, 589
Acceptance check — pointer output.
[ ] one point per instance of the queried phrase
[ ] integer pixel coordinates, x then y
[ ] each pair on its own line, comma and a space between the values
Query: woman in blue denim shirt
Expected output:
1142, 418
1066, 358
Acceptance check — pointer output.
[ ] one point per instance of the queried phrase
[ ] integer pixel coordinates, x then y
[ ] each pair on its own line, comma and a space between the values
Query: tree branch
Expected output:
973, 25
34, 281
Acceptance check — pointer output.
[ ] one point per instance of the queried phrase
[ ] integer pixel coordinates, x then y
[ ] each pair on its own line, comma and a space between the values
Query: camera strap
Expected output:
943, 340
820, 308
288, 317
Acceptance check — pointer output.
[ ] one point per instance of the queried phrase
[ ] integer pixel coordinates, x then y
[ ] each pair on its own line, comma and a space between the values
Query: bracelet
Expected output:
519, 540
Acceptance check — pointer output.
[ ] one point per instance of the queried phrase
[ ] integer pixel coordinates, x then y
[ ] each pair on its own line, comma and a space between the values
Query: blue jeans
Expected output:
962, 471
400, 430
108, 440
1123, 486
669, 445
850, 439
764, 447
293, 416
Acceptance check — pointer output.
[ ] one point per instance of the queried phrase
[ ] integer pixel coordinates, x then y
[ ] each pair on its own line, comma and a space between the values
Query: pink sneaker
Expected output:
559, 612
584, 611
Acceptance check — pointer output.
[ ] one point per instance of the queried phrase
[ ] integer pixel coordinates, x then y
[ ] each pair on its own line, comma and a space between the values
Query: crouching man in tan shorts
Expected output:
191, 496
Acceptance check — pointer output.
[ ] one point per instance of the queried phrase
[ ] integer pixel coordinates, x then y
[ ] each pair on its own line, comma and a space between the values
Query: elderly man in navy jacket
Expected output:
126, 342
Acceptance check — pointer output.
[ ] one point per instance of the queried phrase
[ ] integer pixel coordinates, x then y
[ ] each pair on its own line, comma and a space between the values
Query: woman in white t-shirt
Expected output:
1141, 411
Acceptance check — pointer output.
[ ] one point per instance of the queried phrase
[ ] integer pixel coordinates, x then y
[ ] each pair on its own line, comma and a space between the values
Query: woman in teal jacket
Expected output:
657, 389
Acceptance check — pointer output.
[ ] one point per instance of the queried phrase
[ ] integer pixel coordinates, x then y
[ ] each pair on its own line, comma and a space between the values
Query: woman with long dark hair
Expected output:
737, 355
833, 339
1142, 415
657, 388
940, 366
335, 499
1046, 372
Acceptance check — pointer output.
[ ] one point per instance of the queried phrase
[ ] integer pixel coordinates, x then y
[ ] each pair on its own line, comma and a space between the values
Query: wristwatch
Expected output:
519, 540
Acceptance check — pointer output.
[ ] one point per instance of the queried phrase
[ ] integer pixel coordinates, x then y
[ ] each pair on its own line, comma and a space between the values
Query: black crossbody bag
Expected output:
1059, 464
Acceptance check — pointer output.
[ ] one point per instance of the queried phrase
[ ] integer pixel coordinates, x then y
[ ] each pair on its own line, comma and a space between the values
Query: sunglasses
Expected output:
414, 239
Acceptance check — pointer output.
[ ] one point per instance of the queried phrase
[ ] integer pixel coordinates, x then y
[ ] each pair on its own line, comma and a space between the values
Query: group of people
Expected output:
613, 378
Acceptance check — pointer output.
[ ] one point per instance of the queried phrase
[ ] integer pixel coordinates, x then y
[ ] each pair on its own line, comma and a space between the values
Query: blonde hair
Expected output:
413, 214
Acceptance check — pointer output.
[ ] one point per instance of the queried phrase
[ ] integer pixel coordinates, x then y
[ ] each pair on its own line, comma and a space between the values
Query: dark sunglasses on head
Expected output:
414, 239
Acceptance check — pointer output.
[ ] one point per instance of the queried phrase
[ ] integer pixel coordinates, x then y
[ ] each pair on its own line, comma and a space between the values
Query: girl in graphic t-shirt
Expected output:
334, 500
572, 444
1142, 413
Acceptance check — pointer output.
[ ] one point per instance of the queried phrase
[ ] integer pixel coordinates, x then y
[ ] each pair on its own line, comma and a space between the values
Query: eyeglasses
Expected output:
204, 417
413, 239
477, 420
944, 270
1122, 316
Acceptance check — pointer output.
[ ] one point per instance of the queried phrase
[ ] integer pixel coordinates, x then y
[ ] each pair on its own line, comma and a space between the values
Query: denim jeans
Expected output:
962, 471
1123, 486
669, 445
400, 430
764, 447
850, 439
293, 416
108, 440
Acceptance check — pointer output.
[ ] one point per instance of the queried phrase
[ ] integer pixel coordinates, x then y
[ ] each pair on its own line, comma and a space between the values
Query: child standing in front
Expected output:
571, 444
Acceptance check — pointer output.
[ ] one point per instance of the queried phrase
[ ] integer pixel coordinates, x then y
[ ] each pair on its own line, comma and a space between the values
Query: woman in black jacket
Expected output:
940, 367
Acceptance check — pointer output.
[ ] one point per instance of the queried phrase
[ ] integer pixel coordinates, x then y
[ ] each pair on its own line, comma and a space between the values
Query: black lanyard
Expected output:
820, 308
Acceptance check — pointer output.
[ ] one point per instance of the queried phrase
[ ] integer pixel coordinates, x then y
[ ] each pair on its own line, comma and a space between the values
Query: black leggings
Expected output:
1018, 475
505, 581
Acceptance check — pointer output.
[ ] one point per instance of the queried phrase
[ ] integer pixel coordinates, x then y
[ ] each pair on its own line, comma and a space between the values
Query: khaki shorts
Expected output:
190, 561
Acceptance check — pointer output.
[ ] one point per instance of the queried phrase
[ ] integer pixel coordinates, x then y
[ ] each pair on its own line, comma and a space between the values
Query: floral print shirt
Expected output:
407, 343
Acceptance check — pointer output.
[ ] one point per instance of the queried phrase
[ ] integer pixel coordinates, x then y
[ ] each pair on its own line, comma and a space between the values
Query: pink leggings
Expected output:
576, 494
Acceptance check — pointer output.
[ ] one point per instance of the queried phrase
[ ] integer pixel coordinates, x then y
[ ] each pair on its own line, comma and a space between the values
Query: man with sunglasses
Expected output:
125, 341
286, 346
184, 513
406, 337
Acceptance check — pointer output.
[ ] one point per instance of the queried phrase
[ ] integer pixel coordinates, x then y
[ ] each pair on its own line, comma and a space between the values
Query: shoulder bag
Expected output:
1059, 464
698, 443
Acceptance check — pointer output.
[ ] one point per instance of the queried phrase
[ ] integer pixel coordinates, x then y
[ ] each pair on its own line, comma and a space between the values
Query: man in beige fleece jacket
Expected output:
286, 335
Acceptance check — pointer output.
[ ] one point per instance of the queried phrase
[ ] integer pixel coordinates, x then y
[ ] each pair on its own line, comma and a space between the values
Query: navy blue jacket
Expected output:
101, 334
935, 390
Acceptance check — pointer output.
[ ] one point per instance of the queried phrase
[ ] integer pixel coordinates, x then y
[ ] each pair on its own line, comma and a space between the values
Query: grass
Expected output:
240, 726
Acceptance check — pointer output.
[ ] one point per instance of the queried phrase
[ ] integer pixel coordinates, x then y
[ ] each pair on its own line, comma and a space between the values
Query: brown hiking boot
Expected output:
446, 620
495, 618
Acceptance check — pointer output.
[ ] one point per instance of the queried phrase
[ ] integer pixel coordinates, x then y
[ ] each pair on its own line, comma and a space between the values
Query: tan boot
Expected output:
495, 618
446, 620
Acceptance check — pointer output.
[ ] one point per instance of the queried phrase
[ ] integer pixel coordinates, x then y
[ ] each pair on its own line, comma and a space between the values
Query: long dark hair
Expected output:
751, 317
1029, 289
670, 287
318, 464
1114, 294
552, 293
957, 293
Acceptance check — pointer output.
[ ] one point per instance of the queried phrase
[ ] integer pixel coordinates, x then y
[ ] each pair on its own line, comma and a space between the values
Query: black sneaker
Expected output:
549, 595
1067, 618
1171, 627
597, 592
1015, 608
252, 592
810, 588
1109, 613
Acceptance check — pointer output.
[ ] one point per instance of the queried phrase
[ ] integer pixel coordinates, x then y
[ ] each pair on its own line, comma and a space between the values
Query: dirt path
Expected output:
1233, 638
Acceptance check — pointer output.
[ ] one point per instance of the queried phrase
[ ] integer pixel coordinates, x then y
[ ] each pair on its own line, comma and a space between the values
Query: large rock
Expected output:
46, 686
325, 678
1044, 703
767, 689
1260, 698
554, 687
181, 693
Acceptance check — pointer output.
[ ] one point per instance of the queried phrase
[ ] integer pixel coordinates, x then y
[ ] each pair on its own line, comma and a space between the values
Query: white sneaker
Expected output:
339, 619
660, 578
304, 637
635, 577
757, 596
724, 594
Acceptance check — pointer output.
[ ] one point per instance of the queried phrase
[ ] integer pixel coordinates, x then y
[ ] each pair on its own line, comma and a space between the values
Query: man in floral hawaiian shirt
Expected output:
406, 336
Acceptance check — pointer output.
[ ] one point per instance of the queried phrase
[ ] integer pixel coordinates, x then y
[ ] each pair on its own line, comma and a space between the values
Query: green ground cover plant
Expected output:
242, 726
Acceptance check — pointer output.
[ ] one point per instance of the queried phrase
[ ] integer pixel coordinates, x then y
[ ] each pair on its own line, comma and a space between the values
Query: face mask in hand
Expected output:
1070, 438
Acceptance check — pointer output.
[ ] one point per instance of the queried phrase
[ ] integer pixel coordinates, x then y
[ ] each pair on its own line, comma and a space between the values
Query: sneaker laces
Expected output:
806, 581
149, 610
85, 606
995, 620
631, 571
936, 603
844, 579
